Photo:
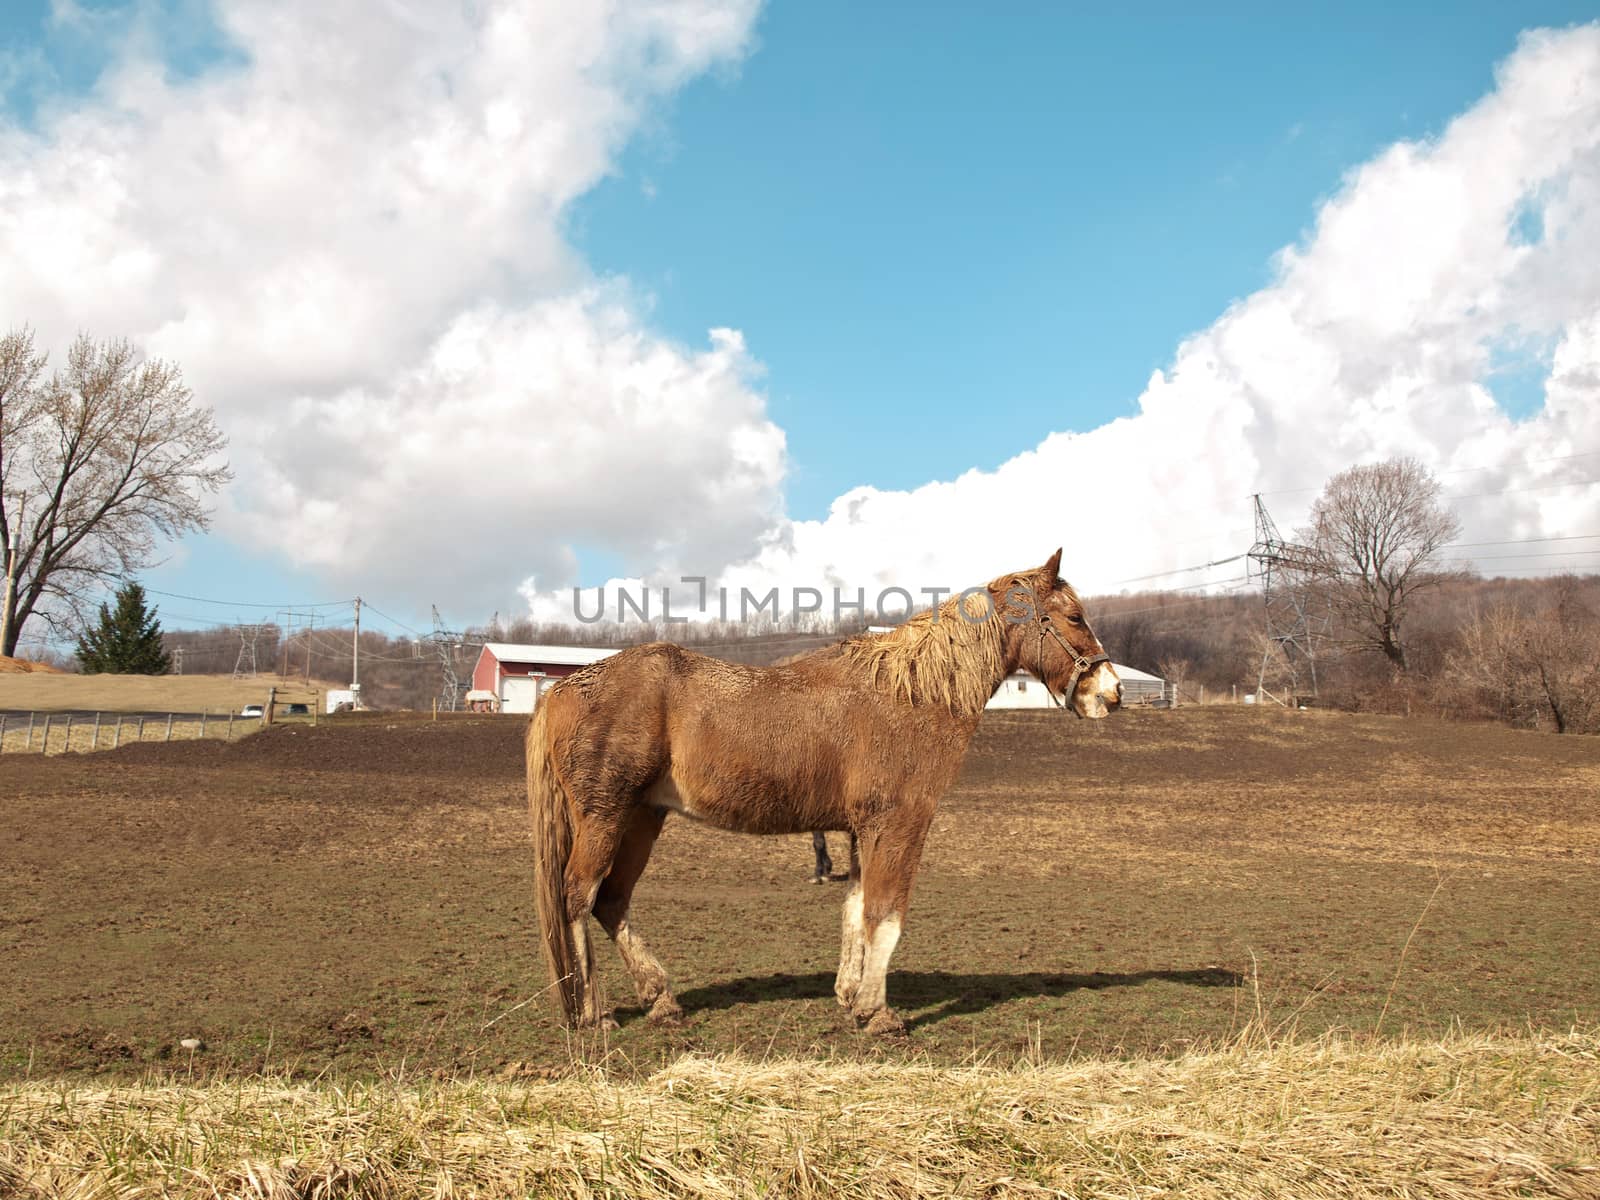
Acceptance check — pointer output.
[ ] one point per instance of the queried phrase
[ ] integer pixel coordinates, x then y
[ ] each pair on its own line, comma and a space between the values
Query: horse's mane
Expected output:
936, 657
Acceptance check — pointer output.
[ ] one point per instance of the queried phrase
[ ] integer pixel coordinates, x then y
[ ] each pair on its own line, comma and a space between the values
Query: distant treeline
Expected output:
1516, 650
1523, 651
405, 672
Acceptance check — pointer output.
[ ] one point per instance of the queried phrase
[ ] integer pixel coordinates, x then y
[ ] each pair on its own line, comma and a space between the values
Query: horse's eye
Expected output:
1075, 619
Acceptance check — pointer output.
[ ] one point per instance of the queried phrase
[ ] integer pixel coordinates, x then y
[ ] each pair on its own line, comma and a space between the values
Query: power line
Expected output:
1230, 589
249, 603
1565, 537
1178, 571
367, 604
1579, 572
1505, 557
1529, 462
1537, 487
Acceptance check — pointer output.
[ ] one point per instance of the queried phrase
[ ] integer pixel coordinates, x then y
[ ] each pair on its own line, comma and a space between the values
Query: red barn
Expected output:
518, 675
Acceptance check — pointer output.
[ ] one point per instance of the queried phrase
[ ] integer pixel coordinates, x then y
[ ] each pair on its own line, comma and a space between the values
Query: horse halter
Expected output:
1081, 665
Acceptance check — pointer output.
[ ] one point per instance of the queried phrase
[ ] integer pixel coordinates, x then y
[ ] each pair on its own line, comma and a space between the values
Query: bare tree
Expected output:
1175, 671
1539, 668
96, 462
1377, 530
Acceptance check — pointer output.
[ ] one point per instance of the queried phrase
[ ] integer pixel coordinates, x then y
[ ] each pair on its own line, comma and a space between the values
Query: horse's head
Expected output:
1048, 633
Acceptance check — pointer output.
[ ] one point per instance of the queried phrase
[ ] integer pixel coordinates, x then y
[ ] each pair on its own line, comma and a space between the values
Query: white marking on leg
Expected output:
852, 948
589, 1001
649, 978
871, 995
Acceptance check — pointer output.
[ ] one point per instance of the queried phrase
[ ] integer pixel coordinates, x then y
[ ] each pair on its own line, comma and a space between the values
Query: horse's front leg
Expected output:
819, 846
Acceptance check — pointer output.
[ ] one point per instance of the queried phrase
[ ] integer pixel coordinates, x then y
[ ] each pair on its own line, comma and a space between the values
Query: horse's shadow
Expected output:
928, 997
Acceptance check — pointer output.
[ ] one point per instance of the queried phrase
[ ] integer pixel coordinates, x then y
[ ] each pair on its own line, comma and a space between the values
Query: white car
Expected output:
251, 710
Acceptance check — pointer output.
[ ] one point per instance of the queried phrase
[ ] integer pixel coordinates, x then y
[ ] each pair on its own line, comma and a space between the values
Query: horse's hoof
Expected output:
603, 1024
665, 1011
886, 1023
846, 996
818, 879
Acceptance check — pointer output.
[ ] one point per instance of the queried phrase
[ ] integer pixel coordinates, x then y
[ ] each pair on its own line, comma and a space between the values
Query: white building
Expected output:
1022, 689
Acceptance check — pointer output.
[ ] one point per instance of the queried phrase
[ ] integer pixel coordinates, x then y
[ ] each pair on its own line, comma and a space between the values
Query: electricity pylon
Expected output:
448, 644
1296, 618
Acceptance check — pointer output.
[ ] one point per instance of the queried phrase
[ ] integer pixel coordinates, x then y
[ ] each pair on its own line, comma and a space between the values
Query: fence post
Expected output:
28, 745
272, 700
116, 741
94, 743
44, 747
230, 724
66, 746
141, 729
202, 724
169, 727
2, 733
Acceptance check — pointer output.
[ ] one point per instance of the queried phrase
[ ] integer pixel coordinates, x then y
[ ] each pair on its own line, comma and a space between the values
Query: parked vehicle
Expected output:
251, 710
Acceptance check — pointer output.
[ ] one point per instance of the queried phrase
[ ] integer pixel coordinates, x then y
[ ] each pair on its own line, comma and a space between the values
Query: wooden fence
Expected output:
62, 733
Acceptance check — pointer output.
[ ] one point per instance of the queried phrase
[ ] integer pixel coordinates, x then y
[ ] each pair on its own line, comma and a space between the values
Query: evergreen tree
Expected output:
127, 641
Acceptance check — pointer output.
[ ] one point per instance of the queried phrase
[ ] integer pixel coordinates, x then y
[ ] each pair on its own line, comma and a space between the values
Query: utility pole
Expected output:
311, 626
355, 660
285, 634
11, 593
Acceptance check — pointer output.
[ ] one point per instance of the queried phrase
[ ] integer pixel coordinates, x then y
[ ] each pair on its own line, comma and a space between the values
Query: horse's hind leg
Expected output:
852, 936
611, 910
594, 849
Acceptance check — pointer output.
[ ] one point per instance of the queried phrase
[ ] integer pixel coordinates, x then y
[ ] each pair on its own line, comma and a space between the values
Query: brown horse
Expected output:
863, 736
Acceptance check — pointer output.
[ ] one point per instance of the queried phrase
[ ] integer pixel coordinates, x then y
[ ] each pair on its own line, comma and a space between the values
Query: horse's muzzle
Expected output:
1099, 694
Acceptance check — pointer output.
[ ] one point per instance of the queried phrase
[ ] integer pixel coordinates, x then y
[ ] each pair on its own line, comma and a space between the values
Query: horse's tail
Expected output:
552, 847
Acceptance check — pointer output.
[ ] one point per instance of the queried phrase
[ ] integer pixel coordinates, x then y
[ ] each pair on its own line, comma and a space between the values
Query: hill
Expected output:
46, 691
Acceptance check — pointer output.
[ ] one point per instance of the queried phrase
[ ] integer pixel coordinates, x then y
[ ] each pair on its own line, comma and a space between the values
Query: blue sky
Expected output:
952, 234
943, 235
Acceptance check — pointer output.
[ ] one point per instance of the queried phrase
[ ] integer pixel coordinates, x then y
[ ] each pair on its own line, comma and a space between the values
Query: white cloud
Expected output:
522, 432
352, 241
1377, 337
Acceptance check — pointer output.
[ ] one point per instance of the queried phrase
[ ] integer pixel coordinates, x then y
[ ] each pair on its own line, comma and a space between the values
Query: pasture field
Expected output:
355, 898
55, 691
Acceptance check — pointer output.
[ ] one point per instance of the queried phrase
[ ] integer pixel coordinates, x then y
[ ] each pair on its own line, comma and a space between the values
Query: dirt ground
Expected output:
356, 898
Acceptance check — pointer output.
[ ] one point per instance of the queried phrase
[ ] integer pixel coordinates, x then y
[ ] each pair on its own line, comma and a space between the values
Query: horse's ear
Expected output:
1051, 571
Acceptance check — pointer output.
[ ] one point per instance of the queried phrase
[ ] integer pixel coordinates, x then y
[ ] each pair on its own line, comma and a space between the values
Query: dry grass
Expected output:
141, 693
23, 666
1464, 1117
82, 735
